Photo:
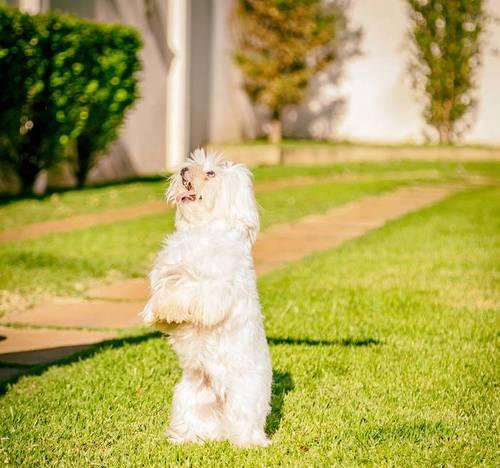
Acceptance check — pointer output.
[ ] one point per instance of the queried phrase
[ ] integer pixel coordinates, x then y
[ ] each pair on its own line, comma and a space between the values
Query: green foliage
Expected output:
282, 44
446, 37
55, 76
24, 73
109, 90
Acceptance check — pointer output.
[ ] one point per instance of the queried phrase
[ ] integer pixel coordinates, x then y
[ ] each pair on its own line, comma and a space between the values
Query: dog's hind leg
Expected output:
245, 411
195, 413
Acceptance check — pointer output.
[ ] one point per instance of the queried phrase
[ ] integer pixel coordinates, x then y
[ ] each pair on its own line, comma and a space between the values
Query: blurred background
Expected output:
372, 131
364, 79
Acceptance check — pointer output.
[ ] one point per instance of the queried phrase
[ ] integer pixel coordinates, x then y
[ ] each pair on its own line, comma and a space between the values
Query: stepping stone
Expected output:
35, 230
118, 305
136, 289
32, 231
38, 346
81, 314
289, 242
286, 243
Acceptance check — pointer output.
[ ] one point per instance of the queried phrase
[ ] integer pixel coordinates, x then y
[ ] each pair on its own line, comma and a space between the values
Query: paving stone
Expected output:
81, 314
118, 305
132, 289
286, 243
35, 230
38, 346
32, 231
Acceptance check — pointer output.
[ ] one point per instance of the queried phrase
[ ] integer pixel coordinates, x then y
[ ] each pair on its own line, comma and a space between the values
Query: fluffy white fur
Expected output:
204, 297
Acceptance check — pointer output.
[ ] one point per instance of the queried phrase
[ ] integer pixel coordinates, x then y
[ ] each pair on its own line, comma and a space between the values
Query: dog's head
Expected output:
206, 188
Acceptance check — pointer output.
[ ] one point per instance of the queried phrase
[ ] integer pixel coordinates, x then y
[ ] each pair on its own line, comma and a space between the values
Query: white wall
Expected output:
381, 104
373, 101
487, 126
142, 140
231, 114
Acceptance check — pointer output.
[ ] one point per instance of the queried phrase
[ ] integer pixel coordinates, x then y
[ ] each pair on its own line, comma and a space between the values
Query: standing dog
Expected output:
204, 296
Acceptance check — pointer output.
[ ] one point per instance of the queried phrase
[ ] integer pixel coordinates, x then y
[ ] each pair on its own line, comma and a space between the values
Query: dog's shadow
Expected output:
282, 384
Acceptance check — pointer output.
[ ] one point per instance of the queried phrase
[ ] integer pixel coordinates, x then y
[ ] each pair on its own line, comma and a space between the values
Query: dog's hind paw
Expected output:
254, 442
175, 438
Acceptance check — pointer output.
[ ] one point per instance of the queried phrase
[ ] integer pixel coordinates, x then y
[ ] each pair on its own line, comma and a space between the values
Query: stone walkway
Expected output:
72, 223
117, 305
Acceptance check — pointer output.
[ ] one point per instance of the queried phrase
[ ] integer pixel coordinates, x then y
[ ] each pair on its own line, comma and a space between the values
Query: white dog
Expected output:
204, 296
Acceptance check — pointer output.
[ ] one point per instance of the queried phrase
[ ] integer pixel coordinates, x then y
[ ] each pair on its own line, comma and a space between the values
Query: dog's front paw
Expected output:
164, 315
172, 312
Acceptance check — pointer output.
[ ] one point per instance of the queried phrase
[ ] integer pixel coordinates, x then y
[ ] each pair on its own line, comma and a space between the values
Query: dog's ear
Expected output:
243, 203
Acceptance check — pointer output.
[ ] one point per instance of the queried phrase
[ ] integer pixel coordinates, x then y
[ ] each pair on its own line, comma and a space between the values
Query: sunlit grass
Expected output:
58, 263
63, 204
384, 354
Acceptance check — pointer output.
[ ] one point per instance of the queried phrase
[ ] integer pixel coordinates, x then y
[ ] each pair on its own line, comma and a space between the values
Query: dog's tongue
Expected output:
190, 194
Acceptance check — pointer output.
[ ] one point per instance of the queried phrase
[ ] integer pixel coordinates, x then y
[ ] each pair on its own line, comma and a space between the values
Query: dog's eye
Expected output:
211, 174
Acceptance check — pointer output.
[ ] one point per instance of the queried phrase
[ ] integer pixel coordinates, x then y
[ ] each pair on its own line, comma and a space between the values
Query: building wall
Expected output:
232, 117
200, 71
381, 106
372, 101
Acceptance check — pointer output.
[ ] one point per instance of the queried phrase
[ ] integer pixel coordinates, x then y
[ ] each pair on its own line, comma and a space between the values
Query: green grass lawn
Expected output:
59, 263
385, 353
17, 212
67, 263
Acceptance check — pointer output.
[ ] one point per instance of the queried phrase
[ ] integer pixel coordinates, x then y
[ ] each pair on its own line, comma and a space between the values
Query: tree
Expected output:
446, 39
281, 45
31, 137
110, 89
66, 82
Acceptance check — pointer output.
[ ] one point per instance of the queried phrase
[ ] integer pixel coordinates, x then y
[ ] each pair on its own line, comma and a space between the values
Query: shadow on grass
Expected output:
416, 431
282, 381
282, 384
354, 342
76, 353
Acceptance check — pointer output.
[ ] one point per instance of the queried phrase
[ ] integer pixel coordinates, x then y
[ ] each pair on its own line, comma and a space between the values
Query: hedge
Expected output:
66, 86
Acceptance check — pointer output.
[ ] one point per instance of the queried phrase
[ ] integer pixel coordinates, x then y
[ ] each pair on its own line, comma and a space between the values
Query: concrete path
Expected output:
36, 230
117, 305
37, 346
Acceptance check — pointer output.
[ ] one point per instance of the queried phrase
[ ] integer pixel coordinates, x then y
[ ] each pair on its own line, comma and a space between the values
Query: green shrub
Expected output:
23, 72
109, 90
446, 38
47, 73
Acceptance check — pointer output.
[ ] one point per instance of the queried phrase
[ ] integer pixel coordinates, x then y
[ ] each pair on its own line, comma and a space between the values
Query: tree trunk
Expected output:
27, 174
275, 131
444, 134
83, 161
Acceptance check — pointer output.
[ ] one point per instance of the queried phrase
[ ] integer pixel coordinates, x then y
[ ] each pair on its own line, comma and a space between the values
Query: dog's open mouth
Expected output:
189, 194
